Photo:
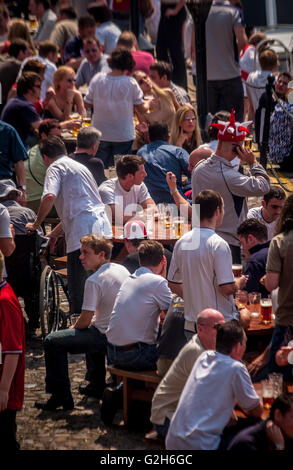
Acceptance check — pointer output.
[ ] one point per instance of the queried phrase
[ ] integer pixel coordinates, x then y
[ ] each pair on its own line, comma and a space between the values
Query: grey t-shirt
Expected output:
222, 53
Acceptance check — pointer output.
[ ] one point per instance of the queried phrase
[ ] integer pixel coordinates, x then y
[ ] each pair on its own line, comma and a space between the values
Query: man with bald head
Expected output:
201, 153
167, 395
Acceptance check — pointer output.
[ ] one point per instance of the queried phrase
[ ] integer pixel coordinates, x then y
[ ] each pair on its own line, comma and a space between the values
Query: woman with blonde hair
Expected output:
161, 102
185, 131
65, 99
18, 29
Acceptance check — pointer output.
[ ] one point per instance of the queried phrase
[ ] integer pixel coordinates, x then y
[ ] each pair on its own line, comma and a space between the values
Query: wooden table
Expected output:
160, 233
256, 327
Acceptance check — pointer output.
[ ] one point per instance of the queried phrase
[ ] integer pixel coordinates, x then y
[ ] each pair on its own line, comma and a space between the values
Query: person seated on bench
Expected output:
85, 336
134, 324
166, 397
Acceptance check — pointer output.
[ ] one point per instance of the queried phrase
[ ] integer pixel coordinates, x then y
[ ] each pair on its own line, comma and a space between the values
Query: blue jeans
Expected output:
107, 150
141, 356
90, 341
276, 343
76, 280
162, 429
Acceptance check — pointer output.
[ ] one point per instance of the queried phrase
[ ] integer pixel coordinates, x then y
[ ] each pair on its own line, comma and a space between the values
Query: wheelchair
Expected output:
30, 275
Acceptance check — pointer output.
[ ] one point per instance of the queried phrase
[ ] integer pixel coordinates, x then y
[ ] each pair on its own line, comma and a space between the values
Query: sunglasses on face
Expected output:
187, 118
71, 80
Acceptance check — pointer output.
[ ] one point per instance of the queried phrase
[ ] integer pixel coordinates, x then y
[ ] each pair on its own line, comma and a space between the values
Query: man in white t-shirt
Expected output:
125, 192
87, 335
134, 323
168, 392
71, 187
201, 266
217, 382
270, 209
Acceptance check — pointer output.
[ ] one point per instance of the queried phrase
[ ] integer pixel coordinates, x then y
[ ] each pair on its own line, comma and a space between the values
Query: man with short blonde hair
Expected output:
87, 334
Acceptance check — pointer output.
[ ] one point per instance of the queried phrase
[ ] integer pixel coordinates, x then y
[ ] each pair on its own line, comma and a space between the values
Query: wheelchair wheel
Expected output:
52, 319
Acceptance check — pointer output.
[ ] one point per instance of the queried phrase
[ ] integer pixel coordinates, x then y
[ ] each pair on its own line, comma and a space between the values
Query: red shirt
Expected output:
12, 338
143, 61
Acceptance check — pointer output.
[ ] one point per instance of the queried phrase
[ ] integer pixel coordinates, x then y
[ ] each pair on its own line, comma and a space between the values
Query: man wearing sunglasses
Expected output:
95, 61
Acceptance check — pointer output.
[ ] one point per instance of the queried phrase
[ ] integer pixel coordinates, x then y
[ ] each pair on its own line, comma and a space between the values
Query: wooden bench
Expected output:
149, 377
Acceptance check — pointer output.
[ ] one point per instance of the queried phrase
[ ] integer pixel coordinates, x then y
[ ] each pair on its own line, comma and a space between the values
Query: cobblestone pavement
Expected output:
79, 429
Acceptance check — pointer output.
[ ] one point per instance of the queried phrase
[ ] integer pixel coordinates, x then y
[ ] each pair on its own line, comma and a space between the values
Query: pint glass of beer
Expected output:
266, 310
267, 394
248, 143
254, 303
237, 270
178, 225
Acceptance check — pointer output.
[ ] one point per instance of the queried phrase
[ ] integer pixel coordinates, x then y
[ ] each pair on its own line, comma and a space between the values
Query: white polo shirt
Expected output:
78, 202
112, 192
135, 316
100, 292
215, 384
202, 266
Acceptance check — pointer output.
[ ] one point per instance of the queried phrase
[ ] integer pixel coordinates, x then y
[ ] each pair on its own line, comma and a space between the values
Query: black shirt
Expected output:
255, 438
256, 268
94, 164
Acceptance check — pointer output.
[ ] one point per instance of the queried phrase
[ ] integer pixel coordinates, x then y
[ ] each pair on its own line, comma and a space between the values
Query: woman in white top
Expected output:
113, 97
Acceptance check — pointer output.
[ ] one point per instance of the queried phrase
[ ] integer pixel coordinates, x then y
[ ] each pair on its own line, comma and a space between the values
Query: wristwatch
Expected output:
23, 187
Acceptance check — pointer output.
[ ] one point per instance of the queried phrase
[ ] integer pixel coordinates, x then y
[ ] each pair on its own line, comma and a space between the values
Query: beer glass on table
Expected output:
267, 394
254, 304
241, 299
266, 310
178, 226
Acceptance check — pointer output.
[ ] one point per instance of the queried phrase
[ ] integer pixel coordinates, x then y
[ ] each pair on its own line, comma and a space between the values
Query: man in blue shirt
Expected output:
20, 112
12, 156
73, 47
253, 236
161, 157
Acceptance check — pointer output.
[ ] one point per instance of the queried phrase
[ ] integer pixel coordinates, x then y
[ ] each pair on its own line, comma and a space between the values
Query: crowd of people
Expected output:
80, 97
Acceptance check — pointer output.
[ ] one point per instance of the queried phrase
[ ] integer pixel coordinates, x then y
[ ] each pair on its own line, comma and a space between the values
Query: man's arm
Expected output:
21, 180
9, 368
7, 246
149, 202
84, 320
233, 287
282, 356
178, 198
270, 281
255, 412
176, 288
46, 205
241, 37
